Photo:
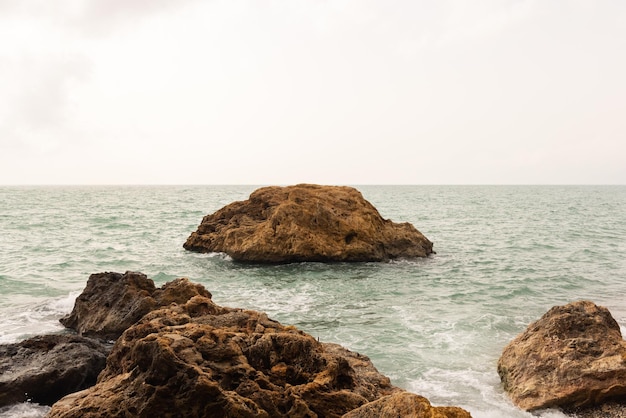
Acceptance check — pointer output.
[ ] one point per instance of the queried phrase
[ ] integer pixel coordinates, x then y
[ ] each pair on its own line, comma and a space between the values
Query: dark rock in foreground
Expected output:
306, 223
112, 302
198, 359
44, 369
573, 357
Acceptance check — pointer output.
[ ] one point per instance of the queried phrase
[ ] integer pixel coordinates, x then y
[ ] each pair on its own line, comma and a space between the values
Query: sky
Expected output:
318, 91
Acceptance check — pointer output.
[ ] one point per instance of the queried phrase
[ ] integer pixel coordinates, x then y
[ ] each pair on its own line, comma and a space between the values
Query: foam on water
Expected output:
445, 387
24, 410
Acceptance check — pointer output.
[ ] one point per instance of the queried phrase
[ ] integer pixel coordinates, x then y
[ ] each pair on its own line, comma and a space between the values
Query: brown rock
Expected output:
405, 405
199, 359
112, 302
43, 369
573, 357
306, 223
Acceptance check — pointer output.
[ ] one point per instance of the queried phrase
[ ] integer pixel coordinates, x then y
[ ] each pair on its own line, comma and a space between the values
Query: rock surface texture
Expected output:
306, 223
112, 302
198, 359
405, 405
572, 357
44, 369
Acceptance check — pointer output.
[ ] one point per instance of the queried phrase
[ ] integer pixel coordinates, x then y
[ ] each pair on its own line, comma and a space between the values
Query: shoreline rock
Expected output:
306, 222
197, 359
45, 368
573, 358
112, 302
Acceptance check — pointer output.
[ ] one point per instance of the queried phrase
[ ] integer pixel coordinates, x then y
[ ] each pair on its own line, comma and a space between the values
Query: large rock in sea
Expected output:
43, 369
572, 357
198, 359
112, 302
306, 222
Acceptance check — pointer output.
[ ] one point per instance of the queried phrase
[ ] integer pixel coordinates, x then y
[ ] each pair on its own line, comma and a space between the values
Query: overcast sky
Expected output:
320, 91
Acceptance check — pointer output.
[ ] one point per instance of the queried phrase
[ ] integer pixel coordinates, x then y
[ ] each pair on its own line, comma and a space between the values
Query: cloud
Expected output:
49, 57
101, 17
36, 100
454, 23
267, 91
93, 18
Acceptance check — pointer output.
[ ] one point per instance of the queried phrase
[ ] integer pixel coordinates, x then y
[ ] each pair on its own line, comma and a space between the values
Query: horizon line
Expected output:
292, 184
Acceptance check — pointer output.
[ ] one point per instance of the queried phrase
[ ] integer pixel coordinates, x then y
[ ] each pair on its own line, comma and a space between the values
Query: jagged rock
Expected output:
573, 357
199, 359
43, 369
306, 223
405, 405
112, 302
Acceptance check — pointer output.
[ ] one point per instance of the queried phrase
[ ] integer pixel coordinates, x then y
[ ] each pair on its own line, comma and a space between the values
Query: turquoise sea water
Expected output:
436, 326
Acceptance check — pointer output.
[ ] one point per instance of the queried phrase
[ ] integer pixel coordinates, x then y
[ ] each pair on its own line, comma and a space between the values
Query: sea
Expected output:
436, 326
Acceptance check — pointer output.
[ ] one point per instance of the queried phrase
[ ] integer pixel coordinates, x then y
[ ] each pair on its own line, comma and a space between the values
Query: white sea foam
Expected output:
481, 391
28, 320
221, 256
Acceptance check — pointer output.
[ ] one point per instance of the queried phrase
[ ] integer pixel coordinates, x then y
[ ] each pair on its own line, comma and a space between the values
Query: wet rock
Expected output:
606, 410
573, 357
112, 302
43, 369
405, 405
306, 223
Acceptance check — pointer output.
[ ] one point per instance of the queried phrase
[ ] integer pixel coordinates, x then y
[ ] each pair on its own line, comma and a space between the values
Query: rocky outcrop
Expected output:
573, 357
306, 223
405, 405
44, 369
198, 359
112, 302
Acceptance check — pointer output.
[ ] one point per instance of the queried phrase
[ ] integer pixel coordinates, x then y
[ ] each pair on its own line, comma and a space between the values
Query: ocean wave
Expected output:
24, 410
34, 318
